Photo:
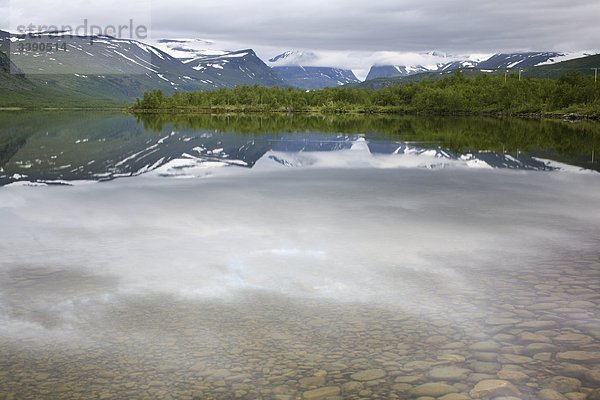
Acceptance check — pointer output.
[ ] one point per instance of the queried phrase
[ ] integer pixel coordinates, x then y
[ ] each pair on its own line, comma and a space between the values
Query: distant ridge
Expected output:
500, 60
296, 68
581, 65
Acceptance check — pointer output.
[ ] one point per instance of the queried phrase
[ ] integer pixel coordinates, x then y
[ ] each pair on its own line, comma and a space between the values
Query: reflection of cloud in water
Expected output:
46, 298
403, 239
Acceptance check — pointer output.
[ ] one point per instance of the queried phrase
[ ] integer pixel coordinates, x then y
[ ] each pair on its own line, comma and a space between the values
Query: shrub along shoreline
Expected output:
572, 97
573, 115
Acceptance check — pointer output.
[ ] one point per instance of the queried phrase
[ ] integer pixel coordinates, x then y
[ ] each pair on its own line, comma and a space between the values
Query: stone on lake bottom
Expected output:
535, 348
576, 396
352, 386
515, 359
594, 395
574, 338
550, 394
593, 376
449, 373
583, 356
433, 390
321, 393
408, 379
513, 376
487, 346
454, 396
312, 381
494, 388
368, 375
528, 337
402, 387
563, 384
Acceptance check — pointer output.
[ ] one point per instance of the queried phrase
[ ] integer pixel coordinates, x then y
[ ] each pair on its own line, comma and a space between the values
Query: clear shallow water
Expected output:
347, 273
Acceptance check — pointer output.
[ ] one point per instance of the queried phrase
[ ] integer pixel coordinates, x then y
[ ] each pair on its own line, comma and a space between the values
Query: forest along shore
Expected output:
570, 97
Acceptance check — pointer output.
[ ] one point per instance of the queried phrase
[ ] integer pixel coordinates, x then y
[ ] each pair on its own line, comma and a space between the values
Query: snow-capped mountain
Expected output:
102, 65
94, 55
227, 68
391, 71
443, 62
452, 65
108, 67
188, 49
433, 61
294, 58
567, 57
241, 67
519, 60
297, 68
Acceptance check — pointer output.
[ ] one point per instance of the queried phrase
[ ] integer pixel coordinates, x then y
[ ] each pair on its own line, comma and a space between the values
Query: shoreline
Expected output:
498, 114
217, 111
62, 109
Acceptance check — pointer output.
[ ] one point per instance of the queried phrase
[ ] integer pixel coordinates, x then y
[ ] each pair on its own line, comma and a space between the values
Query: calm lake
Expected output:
298, 257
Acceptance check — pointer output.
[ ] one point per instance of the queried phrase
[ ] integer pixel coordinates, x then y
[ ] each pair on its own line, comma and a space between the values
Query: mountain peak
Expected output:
440, 54
293, 58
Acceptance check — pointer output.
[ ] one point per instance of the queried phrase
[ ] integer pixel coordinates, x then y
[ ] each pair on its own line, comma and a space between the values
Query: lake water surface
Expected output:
291, 257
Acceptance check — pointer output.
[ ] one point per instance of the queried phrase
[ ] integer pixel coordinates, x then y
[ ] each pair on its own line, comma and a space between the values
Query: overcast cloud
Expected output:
352, 33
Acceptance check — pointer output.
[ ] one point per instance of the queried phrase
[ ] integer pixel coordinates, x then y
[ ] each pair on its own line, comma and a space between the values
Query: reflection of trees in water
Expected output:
455, 133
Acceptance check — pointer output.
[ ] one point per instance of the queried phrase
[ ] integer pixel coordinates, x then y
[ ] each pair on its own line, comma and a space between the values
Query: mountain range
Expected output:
115, 70
494, 62
108, 70
552, 68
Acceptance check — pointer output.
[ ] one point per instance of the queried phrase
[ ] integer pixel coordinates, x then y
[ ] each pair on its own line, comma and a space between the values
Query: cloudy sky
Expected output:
352, 33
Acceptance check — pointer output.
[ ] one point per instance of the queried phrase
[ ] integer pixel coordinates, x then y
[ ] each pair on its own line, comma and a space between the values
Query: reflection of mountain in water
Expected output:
390, 154
56, 159
62, 147
479, 158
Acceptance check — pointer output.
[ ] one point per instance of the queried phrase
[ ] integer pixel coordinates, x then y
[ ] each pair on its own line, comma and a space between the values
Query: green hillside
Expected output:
39, 91
21, 92
582, 65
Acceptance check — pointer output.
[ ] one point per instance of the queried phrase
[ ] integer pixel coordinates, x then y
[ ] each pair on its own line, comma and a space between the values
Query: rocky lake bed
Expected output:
527, 335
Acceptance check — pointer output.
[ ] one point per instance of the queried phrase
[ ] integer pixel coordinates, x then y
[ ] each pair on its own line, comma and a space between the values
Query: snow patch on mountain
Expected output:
188, 49
295, 58
568, 56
